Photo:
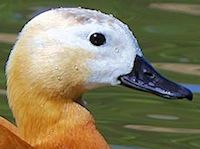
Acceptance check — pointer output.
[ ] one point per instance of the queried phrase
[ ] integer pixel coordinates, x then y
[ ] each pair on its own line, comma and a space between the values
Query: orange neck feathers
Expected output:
47, 119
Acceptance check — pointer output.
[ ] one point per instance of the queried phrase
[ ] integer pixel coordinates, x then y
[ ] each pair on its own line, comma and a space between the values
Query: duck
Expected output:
59, 55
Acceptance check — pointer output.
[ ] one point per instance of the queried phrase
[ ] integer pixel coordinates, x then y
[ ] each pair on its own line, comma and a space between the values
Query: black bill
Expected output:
144, 77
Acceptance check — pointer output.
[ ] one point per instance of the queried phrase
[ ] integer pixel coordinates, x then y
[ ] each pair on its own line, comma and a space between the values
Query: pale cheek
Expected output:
106, 72
59, 77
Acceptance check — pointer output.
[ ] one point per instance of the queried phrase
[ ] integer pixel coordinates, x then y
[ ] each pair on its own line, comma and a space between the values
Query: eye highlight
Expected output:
97, 39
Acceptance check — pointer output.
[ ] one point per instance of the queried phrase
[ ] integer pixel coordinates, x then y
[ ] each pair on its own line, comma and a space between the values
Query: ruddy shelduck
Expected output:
59, 55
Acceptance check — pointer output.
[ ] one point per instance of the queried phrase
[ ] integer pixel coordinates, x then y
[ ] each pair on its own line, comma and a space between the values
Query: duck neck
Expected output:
47, 121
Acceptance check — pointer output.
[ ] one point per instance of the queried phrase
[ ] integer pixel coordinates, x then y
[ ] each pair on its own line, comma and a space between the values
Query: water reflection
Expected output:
124, 147
195, 88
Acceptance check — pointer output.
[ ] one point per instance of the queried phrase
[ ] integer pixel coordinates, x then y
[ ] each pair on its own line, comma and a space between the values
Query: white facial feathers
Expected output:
71, 28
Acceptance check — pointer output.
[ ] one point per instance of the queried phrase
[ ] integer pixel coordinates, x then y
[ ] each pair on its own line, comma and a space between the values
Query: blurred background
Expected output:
168, 32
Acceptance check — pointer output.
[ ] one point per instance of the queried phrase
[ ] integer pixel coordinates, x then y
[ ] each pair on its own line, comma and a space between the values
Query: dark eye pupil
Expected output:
97, 39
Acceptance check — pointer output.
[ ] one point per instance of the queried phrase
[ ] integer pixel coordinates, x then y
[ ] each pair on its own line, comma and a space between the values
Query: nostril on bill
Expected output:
149, 74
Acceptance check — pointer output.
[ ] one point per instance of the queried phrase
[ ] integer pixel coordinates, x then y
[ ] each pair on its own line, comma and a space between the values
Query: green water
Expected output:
164, 37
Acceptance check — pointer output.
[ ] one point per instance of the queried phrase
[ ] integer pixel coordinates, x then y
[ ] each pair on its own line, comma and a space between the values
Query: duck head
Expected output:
67, 51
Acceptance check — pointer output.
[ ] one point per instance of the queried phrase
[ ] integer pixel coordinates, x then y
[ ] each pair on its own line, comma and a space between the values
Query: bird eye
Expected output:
97, 39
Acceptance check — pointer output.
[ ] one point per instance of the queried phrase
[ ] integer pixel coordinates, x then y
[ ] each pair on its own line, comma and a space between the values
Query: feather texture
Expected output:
9, 138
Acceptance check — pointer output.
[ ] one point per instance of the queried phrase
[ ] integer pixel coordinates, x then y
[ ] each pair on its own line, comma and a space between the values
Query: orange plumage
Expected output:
9, 138
84, 136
